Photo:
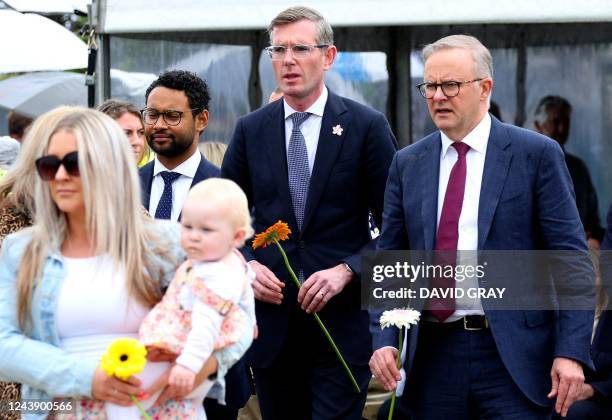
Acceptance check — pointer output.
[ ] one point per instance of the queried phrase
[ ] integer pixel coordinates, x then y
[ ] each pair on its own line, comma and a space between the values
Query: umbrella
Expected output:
36, 93
31, 42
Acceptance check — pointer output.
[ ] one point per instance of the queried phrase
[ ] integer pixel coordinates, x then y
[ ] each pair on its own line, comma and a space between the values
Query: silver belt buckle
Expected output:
465, 325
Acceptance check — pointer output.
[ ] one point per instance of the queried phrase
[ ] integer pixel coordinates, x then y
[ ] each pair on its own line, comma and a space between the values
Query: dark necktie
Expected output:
297, 163
164, 207
448, 233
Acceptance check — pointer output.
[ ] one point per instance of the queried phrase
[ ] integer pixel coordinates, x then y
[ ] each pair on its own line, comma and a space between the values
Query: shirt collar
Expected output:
187, 168
477, 139
316, 108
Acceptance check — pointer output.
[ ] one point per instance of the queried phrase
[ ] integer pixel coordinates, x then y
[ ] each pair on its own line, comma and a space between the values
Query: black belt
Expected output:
468, 323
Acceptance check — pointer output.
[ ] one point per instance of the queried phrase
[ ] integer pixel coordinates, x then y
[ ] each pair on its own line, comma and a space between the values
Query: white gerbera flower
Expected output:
400, 318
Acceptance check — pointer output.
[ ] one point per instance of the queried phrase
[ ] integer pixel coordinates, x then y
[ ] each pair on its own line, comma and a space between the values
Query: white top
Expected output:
180, 187
93, 310
477, 139
229, 283
311, 128
93, 307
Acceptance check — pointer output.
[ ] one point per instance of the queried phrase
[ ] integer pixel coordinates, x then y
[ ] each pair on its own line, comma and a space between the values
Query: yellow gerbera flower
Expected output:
123, 358
279, 231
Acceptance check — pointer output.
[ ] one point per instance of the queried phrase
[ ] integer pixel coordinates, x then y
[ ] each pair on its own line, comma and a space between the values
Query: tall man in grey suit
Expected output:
478, 184
319, 162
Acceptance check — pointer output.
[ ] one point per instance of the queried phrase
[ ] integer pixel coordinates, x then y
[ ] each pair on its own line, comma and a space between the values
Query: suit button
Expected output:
301, 244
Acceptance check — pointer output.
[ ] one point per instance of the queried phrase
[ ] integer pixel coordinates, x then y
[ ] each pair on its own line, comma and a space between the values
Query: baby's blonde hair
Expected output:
228, 195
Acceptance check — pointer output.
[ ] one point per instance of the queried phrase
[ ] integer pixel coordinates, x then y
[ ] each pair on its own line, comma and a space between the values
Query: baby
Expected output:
202, 309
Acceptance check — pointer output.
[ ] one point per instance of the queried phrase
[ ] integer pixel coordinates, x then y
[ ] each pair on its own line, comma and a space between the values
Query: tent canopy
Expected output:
137, 16
49, 7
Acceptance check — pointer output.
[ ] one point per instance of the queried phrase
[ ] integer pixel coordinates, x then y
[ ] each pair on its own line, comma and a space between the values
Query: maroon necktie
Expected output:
448, 233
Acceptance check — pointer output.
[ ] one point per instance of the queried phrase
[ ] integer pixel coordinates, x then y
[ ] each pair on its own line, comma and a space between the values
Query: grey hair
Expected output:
325, 34
551, 102
483, 62
9, 149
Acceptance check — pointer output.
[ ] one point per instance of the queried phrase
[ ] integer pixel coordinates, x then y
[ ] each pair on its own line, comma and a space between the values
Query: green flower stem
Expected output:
316, 317
398, 363
140, 407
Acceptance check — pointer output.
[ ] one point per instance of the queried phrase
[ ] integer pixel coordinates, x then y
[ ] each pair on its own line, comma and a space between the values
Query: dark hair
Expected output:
551, 102
194, 87
115, 108
495, 111
17, 124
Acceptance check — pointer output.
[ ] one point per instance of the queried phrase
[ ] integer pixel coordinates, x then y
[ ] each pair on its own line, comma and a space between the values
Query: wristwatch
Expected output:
348, 268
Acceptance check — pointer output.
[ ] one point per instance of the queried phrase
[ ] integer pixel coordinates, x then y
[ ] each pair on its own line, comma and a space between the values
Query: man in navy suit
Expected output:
175, 116
318, 162
478, 184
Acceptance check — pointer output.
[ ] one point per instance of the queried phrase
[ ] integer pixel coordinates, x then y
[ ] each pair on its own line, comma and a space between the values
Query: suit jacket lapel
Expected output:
200, 174
430, 170
497, 163
146, 179
275, 144
329, 145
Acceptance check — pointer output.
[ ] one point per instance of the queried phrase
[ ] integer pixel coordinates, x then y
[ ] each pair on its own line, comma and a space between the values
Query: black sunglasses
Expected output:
47, 166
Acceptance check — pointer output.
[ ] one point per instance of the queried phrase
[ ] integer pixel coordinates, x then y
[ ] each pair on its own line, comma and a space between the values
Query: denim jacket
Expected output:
35, 360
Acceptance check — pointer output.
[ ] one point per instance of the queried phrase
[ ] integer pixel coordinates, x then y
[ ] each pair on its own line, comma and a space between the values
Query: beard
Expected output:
176, 147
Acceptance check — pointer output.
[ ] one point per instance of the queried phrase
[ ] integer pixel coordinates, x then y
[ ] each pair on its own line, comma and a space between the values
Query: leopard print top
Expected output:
11, 221
10, 391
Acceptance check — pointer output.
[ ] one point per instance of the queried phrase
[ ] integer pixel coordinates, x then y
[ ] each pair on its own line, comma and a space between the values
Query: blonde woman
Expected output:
17, 186
17, 202
129, 119
86, 272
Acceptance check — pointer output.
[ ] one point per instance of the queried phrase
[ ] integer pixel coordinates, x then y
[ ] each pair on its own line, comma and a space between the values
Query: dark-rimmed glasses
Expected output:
47, 166
450, 89
278, 52
171, 117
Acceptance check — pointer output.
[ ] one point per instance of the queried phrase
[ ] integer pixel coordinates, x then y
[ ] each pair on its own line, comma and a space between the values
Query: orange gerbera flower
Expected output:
279, 231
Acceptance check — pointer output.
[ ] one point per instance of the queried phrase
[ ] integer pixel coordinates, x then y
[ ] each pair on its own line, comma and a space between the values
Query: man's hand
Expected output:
322, 286
567, 380
586, 392
266, 287
383, 365
593, 244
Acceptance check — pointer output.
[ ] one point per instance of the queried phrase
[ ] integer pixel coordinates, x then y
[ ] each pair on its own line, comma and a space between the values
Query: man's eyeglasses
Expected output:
47, 166
150, 116
450, 89
278, 52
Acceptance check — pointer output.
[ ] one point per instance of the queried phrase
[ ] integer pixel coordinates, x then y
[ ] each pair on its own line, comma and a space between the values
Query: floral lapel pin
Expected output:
337, 130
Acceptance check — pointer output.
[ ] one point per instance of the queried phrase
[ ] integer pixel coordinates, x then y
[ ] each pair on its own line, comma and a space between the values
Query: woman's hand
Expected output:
155, 354
111, 389
170, 393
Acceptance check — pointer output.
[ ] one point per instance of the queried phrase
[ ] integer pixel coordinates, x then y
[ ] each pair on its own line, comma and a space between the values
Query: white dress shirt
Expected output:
180, 187
311, 128
477, 139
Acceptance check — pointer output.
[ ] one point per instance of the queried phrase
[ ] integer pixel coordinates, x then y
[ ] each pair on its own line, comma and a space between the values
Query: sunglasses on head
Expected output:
47, 166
